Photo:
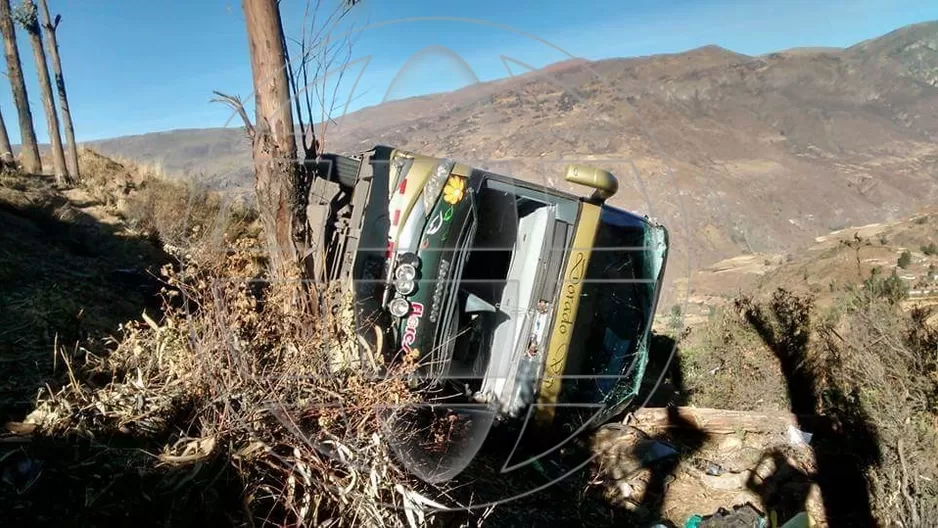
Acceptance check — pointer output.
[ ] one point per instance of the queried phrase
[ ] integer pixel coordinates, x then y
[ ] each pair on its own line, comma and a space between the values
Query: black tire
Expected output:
340, 169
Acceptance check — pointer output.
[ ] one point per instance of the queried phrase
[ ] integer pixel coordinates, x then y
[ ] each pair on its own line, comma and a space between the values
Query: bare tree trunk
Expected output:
6, 152
30, 20
30, 149
50, 26
277, 173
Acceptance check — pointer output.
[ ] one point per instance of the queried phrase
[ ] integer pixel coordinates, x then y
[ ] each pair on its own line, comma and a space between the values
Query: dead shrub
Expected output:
716, 357
233, 371
181, 214
888, 357
872, 368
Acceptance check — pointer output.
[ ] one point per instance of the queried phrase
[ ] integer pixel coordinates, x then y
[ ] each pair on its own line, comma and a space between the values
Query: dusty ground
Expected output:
717, 471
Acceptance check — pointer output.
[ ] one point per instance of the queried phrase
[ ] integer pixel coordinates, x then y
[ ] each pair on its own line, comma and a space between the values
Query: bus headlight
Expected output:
399, 307
409, 258
405, 287
405, 272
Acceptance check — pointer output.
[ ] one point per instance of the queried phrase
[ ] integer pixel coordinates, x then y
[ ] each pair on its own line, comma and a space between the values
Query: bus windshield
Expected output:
617, 303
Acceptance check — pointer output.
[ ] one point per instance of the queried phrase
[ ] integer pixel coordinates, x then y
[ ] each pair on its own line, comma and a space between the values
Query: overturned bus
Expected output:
513, 295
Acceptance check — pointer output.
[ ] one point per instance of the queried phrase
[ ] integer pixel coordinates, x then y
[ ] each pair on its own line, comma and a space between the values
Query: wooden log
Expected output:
720, 421
19, 428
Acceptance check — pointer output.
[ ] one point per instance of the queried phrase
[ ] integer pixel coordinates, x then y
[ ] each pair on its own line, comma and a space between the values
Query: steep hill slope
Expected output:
735, 153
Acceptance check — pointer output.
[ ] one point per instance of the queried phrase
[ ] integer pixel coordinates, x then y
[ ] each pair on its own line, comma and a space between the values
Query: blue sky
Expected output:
136, 66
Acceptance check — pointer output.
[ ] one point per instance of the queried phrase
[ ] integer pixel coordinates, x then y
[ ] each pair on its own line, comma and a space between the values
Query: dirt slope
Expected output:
71, 271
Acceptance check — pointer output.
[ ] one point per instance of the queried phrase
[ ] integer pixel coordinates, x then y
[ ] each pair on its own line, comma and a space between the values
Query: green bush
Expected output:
904, 259
675, 319
892, 288
930, 249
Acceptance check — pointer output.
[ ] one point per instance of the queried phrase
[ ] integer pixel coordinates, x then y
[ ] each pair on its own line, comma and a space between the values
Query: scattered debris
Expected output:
739, 517
797, 437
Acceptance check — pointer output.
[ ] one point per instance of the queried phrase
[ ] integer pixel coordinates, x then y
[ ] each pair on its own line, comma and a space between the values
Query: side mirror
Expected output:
601, 180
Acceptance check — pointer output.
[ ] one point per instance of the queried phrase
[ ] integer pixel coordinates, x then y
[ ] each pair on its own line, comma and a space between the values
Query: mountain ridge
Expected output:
736, 153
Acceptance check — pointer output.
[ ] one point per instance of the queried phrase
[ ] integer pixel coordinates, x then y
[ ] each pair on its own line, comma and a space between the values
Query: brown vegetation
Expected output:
861, 375
233, 394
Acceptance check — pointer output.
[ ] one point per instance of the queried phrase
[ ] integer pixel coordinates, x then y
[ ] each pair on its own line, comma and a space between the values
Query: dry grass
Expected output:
230, 373
179, 213
227, 375
886, 359
867, 365
717, 355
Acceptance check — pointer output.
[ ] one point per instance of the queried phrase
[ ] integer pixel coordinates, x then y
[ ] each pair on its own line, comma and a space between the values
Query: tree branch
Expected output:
235, 103
291, 78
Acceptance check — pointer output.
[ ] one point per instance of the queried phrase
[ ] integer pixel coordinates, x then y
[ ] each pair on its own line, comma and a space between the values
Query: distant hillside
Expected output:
735, 153
824, 269
220, 156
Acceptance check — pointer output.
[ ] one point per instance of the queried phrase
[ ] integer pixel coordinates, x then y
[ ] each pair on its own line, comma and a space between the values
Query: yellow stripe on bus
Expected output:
565, 312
